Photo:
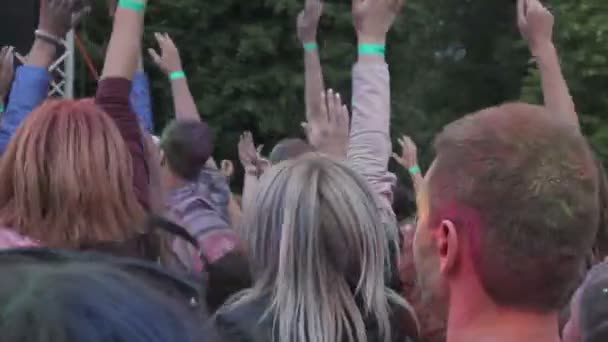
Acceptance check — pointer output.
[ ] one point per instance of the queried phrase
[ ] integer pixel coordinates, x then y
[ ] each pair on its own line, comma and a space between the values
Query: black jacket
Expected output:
246, 323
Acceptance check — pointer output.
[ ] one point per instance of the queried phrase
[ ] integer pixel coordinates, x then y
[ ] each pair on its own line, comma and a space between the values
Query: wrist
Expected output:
542, 49
414, 170
177, 75
49, 37
51, 31
133, 5
250, 170
310, 45
371, 39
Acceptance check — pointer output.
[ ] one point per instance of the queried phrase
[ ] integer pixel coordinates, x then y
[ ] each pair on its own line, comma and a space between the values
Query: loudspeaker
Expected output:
18, 21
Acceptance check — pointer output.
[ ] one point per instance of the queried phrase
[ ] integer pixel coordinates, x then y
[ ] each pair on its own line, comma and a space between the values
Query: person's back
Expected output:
507, 214
186, 147
319, 254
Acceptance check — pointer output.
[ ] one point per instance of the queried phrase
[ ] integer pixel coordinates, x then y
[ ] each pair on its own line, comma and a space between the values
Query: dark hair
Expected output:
187, 145
521, 185
404, 202
289, 149
594, 305
87, 301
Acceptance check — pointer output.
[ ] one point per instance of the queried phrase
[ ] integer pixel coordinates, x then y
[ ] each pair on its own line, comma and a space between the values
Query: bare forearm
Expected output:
125, 44
555, 89
185, 107
249, 191
417, 181
235, 213
42, 54
314, 83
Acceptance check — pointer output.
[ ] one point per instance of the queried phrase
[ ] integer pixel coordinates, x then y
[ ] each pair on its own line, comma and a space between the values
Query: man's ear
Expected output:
446, 239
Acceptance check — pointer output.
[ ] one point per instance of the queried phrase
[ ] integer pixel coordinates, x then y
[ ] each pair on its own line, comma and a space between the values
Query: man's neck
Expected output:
472, 320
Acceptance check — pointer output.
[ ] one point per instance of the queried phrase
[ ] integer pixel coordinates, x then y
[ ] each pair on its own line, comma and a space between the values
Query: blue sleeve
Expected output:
141, 101
30, 89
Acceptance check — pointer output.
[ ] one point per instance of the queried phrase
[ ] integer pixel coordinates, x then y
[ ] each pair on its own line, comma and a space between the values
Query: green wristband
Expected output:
414, 170
177, 75
372, 49
310, 46
133, 5
1, 108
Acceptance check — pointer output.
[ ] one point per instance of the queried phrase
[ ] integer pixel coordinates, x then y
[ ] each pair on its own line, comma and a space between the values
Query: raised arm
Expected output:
328, 133
115, 86
31, 84
536, 26
409, 160
254, 166
140, 98
370, 145
7, 72
308, 22
170, 63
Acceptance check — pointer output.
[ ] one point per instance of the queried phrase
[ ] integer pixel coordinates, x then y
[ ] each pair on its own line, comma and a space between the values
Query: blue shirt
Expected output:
30, 89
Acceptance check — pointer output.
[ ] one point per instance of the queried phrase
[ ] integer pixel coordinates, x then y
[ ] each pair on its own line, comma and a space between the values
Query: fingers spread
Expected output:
324, 106
155, 57
159, 39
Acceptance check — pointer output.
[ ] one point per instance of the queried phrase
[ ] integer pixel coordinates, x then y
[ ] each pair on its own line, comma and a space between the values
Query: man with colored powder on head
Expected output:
507, 214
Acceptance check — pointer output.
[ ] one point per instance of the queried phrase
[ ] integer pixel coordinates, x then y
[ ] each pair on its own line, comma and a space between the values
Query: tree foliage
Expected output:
447, 58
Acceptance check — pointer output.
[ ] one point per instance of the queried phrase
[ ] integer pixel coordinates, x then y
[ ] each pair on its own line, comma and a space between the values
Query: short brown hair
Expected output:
187, 145
521, 185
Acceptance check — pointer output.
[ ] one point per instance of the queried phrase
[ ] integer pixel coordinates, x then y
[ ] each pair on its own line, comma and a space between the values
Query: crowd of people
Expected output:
109, 233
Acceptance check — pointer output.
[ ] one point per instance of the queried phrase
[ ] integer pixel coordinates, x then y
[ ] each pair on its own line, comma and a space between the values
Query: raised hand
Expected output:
7, 70
535, 23
409, 153
169, 60
328, 132
374, 18
308, 21
251, 157
57, 17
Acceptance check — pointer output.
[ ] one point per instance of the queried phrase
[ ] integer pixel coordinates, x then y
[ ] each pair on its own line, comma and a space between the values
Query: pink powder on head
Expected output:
468, 223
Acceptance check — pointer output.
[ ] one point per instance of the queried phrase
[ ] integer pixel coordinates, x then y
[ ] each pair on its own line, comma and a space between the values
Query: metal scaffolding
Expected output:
62, 70
62, 84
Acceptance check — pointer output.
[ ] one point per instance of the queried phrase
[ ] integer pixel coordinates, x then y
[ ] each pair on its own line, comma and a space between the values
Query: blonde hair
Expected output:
66, 178
319, 250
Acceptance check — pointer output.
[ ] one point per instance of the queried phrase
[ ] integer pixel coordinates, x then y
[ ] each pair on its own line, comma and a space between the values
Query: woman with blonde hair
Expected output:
320, 259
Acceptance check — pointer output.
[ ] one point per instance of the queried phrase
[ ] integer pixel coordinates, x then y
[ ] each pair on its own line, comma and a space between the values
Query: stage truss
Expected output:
62, 70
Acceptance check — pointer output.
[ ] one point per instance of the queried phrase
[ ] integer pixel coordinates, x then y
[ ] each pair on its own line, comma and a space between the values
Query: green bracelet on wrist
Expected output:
414, 170
1, 108
372, 49
177, 75
134, 5
310, 46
